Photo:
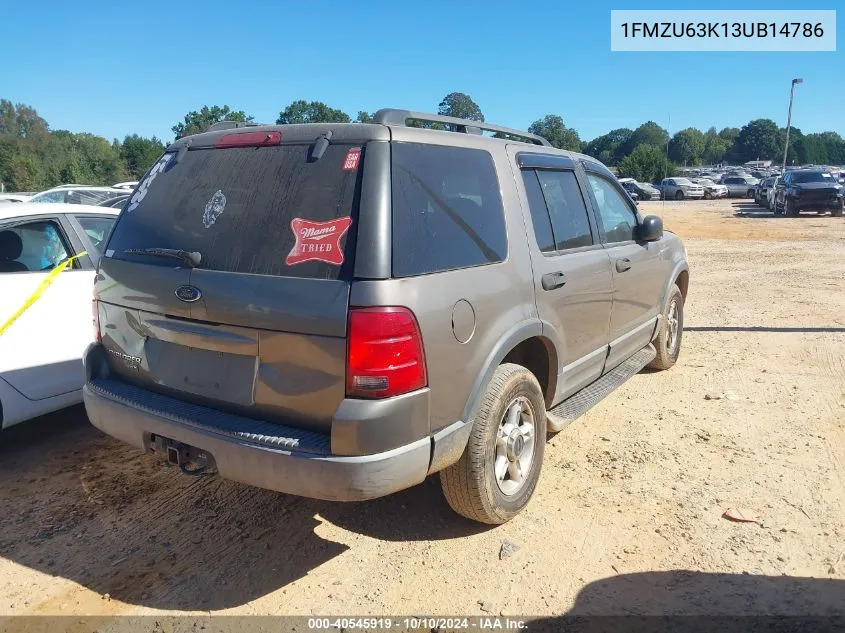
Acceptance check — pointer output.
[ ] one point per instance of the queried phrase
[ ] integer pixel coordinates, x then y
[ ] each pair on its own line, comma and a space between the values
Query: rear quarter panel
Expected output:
501, 297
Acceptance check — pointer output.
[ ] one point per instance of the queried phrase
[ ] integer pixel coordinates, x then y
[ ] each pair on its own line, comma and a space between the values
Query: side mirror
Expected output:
651, 229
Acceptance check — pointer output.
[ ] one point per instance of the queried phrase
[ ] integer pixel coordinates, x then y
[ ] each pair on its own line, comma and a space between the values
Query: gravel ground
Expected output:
627, 517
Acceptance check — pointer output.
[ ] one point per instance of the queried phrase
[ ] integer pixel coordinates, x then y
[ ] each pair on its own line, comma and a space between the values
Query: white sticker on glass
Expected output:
141, 191
213, 209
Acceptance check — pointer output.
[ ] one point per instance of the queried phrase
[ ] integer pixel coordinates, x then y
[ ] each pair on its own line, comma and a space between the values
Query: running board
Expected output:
582, 401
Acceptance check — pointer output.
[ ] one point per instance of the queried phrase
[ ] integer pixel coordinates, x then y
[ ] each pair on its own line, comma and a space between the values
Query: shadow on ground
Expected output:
750, 209
79, 505
694, 601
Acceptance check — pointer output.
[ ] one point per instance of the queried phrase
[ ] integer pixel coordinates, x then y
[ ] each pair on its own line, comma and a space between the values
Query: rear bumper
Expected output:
258, 453
299, 473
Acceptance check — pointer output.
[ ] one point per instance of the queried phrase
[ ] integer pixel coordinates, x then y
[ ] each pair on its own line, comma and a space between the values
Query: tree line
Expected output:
34, 157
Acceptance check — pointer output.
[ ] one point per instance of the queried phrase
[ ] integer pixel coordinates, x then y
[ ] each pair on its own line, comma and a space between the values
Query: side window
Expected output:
570, 222
97, 229
616, 217
447, 209
539, 213
31, 247
52, 196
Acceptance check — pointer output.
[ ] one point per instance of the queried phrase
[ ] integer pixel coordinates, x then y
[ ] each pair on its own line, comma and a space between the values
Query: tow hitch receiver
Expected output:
191, 460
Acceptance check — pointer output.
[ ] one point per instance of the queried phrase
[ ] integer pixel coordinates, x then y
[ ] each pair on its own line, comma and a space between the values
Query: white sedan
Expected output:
41, 351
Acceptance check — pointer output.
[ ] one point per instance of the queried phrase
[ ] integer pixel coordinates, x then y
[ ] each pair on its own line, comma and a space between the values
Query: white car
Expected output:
13, 197
78, 194
41, 352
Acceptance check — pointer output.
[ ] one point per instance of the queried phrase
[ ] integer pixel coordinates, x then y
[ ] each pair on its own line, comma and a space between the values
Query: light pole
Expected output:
789, 122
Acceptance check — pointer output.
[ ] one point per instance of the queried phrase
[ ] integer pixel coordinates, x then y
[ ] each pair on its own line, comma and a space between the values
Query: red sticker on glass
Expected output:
350, 162
317, 241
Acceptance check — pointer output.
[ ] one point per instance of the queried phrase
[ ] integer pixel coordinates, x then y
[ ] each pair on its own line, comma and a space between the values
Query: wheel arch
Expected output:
524, 342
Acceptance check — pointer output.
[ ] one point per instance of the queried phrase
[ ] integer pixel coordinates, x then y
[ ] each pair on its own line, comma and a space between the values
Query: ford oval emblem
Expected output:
188, 294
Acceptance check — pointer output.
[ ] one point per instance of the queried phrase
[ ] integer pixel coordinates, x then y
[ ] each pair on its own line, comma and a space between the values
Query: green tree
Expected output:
647, 163
551, 127
606, 147
139, 154
460, 106
687, 146
199, 121
649, 133
364, 117
302, 111
715, 147
758, 140
20, 120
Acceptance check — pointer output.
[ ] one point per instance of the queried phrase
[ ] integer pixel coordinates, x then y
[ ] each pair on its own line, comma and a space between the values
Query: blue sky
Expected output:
118, 68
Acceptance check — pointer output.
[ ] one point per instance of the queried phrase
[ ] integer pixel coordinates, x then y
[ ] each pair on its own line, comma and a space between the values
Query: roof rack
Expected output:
229, 125
391, 116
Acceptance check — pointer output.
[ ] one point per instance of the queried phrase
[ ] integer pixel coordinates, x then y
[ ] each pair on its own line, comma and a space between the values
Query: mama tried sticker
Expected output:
318, 241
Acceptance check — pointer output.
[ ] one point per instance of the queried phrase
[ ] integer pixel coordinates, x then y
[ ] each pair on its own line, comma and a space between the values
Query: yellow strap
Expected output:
42, 287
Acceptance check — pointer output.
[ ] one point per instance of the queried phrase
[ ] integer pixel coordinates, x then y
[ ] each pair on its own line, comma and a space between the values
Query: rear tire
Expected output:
668, 342
471, 485
707, 195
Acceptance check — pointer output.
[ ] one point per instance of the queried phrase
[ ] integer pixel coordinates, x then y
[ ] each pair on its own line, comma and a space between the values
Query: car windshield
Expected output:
682, 181
812, 176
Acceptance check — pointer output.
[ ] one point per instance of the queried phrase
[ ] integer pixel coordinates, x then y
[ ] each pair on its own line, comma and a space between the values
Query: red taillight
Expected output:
249, 139
385, 354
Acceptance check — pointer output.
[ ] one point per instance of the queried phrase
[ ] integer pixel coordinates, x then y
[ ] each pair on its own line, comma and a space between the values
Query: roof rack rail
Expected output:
392, 116
229, 125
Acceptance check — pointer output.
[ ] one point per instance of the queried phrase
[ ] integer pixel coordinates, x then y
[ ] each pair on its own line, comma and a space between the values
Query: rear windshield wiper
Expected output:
192, 259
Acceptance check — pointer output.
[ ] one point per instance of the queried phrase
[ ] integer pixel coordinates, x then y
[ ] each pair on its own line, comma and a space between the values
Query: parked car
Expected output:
131, 184
679, 188
116, 203
761, 191
712, 191
77, 194
808, 190
41, 351
643, 190
13, 197
740, 186
314, 341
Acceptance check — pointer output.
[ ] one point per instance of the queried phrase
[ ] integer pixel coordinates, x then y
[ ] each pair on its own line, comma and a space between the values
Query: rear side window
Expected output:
256, 210
567, 208
539, 213
447, 209
97, 229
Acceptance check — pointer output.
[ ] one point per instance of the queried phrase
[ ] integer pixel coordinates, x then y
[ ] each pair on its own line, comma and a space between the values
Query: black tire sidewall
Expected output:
507, 506
676, 293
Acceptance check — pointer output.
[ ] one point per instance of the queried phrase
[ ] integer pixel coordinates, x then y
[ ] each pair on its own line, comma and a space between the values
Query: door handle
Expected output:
553, 280
622, 265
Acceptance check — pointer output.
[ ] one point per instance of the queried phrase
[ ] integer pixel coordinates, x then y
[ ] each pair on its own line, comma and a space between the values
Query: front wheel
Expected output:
791, 207
679, 195
837, 211
668, 342
495, 477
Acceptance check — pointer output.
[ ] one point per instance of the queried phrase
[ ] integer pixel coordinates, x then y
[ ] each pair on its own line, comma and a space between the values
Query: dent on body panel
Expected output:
301, 373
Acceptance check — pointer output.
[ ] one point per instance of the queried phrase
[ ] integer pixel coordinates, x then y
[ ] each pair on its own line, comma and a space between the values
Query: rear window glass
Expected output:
447, 209
240, 208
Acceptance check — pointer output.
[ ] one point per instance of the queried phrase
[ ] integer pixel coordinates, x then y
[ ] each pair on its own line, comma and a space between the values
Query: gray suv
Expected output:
340, 310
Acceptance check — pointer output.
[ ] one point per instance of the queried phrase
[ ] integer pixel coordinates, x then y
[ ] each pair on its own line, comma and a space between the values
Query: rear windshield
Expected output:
257, 210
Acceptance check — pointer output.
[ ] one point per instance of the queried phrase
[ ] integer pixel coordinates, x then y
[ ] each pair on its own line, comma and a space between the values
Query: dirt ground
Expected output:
627, 517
